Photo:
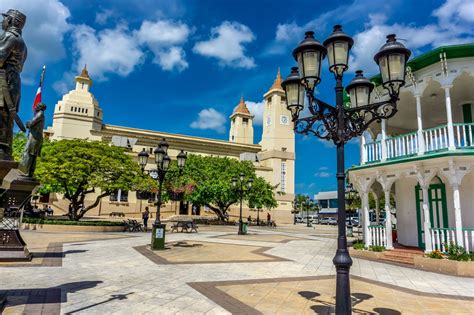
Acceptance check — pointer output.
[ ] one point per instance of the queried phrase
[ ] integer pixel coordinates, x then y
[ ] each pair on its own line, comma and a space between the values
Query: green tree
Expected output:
19, 142
261, 195
207, 182
77, 168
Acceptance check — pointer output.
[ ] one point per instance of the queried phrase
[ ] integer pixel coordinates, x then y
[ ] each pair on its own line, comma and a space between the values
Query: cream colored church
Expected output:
78, 115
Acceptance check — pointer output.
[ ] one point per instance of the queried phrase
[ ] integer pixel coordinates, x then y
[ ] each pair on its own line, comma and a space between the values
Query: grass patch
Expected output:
70, 222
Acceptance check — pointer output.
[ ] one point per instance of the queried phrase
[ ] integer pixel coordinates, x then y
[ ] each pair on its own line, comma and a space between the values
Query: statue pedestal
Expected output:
16, 189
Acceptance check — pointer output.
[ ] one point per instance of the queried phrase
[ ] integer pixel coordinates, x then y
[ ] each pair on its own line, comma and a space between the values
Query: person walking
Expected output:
145, 217
269, 218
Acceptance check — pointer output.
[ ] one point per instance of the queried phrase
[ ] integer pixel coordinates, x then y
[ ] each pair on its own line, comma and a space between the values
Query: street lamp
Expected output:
295, 210
162, 161
340, 124
308, 205
241, 187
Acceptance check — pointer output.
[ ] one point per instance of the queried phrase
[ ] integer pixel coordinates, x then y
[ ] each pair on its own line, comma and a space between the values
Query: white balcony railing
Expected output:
377, 235
404, 145
373, 151
435, 140
440, 237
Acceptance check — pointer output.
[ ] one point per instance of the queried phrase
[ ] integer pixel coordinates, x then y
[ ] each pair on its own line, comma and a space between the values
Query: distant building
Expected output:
78, 115
327, 202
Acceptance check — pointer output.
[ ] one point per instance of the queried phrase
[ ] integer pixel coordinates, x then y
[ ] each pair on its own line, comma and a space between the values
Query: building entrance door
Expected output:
183, 207
437, 207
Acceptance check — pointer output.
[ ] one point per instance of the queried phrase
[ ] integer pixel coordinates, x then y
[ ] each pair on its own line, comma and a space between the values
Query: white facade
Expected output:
424, 155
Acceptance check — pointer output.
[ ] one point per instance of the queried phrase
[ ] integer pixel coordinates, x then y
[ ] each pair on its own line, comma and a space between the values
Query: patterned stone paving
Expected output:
272, 238
310, 295
95, 276
187, 252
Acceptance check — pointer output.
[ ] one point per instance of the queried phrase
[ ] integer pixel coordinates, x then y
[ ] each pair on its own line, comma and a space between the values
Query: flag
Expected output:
40, 87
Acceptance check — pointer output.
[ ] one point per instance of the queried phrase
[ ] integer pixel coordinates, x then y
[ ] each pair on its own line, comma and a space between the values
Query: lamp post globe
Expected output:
392, 58
164, 145
294, 92
309, 54
166, 162
159, 155
359, 90
143, 158
338, 45
181, 158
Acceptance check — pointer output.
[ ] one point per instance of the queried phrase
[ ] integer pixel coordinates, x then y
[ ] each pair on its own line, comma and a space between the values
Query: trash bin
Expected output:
158, 236
244, 228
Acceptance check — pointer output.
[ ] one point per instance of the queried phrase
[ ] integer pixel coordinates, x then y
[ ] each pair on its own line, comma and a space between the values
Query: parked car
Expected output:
332, 221
299, 220
324, 220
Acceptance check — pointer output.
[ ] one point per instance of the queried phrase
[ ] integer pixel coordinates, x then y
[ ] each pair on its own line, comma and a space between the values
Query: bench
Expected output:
186, 226
133, 226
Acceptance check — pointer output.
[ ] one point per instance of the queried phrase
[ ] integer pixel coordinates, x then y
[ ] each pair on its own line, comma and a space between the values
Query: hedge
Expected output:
69, 222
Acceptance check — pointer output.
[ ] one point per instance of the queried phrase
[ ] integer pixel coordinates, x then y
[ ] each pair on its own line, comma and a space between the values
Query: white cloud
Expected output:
323, 168
102, 16
256, 109
210, 119
108, 51
322, 174
46, 25
226, 44
164, 38
455, 25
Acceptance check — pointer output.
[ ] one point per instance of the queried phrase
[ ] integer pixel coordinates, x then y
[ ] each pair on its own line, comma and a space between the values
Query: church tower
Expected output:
241, 124
78, 114
278, 143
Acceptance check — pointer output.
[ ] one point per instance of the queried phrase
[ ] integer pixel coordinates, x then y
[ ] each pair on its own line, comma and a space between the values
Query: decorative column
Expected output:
363, 150
426, 221
421, 139
388, 220
457, 214
365, 218
451, 144
384, 140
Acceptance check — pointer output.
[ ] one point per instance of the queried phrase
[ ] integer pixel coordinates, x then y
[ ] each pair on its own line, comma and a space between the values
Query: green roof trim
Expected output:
426, 156
432, 57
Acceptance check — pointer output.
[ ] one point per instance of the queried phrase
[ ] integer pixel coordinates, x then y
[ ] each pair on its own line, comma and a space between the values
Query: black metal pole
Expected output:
158, 206
240, 216
342, 260
258, 217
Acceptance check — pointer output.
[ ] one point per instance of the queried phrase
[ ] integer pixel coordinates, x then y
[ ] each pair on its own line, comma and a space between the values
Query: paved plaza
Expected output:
271, 271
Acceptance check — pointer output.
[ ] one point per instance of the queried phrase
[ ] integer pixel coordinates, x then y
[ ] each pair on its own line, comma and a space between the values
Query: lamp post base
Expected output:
158, 236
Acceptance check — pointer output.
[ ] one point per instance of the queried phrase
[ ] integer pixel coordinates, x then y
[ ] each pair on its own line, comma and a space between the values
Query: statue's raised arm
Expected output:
13, 54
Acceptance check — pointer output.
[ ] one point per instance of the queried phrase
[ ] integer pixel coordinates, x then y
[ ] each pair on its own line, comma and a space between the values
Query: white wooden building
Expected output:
424, 155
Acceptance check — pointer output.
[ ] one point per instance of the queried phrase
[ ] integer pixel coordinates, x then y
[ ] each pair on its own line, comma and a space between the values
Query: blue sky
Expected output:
181, 66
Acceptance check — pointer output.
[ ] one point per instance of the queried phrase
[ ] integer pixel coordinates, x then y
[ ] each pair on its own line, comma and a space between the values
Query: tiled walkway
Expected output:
111, 276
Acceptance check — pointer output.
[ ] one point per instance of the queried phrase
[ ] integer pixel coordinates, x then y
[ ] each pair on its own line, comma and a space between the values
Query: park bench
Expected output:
133, 226
186, 226
117, 214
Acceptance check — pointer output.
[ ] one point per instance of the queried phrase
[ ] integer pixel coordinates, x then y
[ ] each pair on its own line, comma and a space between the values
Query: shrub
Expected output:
70, 222
377, 248
456, 252
358, 246
435, 254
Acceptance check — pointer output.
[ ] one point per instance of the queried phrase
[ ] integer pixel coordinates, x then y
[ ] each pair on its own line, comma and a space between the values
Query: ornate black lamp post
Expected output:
339, 123
241, 187
162, 161
308, 204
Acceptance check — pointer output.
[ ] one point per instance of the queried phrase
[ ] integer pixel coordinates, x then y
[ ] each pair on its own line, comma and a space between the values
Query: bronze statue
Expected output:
35, 141
12, 57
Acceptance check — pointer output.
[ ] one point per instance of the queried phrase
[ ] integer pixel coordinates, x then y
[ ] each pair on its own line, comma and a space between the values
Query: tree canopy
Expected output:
79, 167
208, 182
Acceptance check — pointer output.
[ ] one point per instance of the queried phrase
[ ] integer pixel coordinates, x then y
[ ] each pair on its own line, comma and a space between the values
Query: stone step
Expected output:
400, 260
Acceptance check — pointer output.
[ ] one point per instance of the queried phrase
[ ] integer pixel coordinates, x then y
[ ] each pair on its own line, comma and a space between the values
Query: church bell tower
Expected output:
241, 124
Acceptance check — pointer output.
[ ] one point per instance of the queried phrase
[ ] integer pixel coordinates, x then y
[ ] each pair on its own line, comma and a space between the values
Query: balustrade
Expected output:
406, 145
441, 237
378, 235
